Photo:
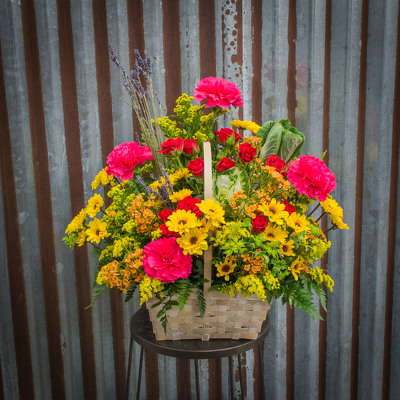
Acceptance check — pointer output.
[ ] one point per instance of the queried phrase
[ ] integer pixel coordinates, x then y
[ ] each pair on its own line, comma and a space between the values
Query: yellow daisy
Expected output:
249, 125
224, 268
178, 196
213, 211
298, 222
274, 211
94, 205
97, 230
286, 248
182, 221
81, 238
275, 234
193, 241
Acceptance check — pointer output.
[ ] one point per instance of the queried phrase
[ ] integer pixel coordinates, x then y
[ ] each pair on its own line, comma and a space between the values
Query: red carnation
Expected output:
189, 204
225, 164
225, 133
311, 176
190, 146
218, 92
288, 207
259, 223
164, 214
247, 152
166, 232
172, 146
277, 163
196, 167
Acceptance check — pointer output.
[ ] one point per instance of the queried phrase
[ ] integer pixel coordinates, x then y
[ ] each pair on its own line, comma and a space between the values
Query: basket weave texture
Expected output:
225, 318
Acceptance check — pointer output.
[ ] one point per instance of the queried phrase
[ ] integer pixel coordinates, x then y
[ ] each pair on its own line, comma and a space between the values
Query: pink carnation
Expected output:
164, 259
124, 159
218, 92
311, 176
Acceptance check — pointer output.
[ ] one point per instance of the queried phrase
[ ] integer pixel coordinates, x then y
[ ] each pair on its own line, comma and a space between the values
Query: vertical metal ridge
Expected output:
43, 198
322, 337
134, 9
214, 379
358, 202
172, 52
14, 254
291, 107
207, 38
73, 150
391, 248
256, 86
107, 144
239, 40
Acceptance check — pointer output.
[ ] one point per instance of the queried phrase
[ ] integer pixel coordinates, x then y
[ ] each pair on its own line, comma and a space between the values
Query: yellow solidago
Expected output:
249, 125
271, 282
248, 285
148, 287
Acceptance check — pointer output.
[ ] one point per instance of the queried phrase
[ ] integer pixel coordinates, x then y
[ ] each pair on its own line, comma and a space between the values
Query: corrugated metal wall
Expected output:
332, 67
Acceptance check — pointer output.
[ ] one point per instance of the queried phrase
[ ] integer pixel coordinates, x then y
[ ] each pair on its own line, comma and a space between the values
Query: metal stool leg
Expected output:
231, 377
261, 361
128, 376
140, 373
240, 375
196, 370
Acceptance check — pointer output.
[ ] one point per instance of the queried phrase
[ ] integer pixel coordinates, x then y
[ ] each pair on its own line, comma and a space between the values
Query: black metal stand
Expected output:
142, 333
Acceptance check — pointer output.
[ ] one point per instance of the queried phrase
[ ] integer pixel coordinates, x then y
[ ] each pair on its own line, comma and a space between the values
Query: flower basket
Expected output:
226, 317
208, 223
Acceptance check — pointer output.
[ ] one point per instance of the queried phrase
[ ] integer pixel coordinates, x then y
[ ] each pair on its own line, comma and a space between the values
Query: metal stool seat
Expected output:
142, 332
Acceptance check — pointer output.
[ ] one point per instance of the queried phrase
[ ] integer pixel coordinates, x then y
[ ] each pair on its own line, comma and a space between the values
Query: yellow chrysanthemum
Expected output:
94, 205
275, 233
340, 224
182, 221
81, 238
182, 173
213, 211
96, 231
77, 223
193, 241
157, 184
274, 211
178, 196
249, 125
297, 266
224, 268
286, 248
298, 222
102, 178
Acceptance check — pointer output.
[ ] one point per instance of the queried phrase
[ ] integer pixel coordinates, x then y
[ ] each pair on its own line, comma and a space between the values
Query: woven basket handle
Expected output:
208, 183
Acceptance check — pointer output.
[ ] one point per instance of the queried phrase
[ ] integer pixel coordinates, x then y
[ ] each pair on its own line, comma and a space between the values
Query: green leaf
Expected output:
201, 302
291, 142
272, 141
264, 131
96, 293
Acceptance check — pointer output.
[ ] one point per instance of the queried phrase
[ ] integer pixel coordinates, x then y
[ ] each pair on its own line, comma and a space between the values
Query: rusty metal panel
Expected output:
339, 62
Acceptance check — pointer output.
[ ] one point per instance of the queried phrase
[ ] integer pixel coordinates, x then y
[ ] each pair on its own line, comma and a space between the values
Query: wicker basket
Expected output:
226, 317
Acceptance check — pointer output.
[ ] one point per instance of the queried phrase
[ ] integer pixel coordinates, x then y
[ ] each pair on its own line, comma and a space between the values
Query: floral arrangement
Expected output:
152, 226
